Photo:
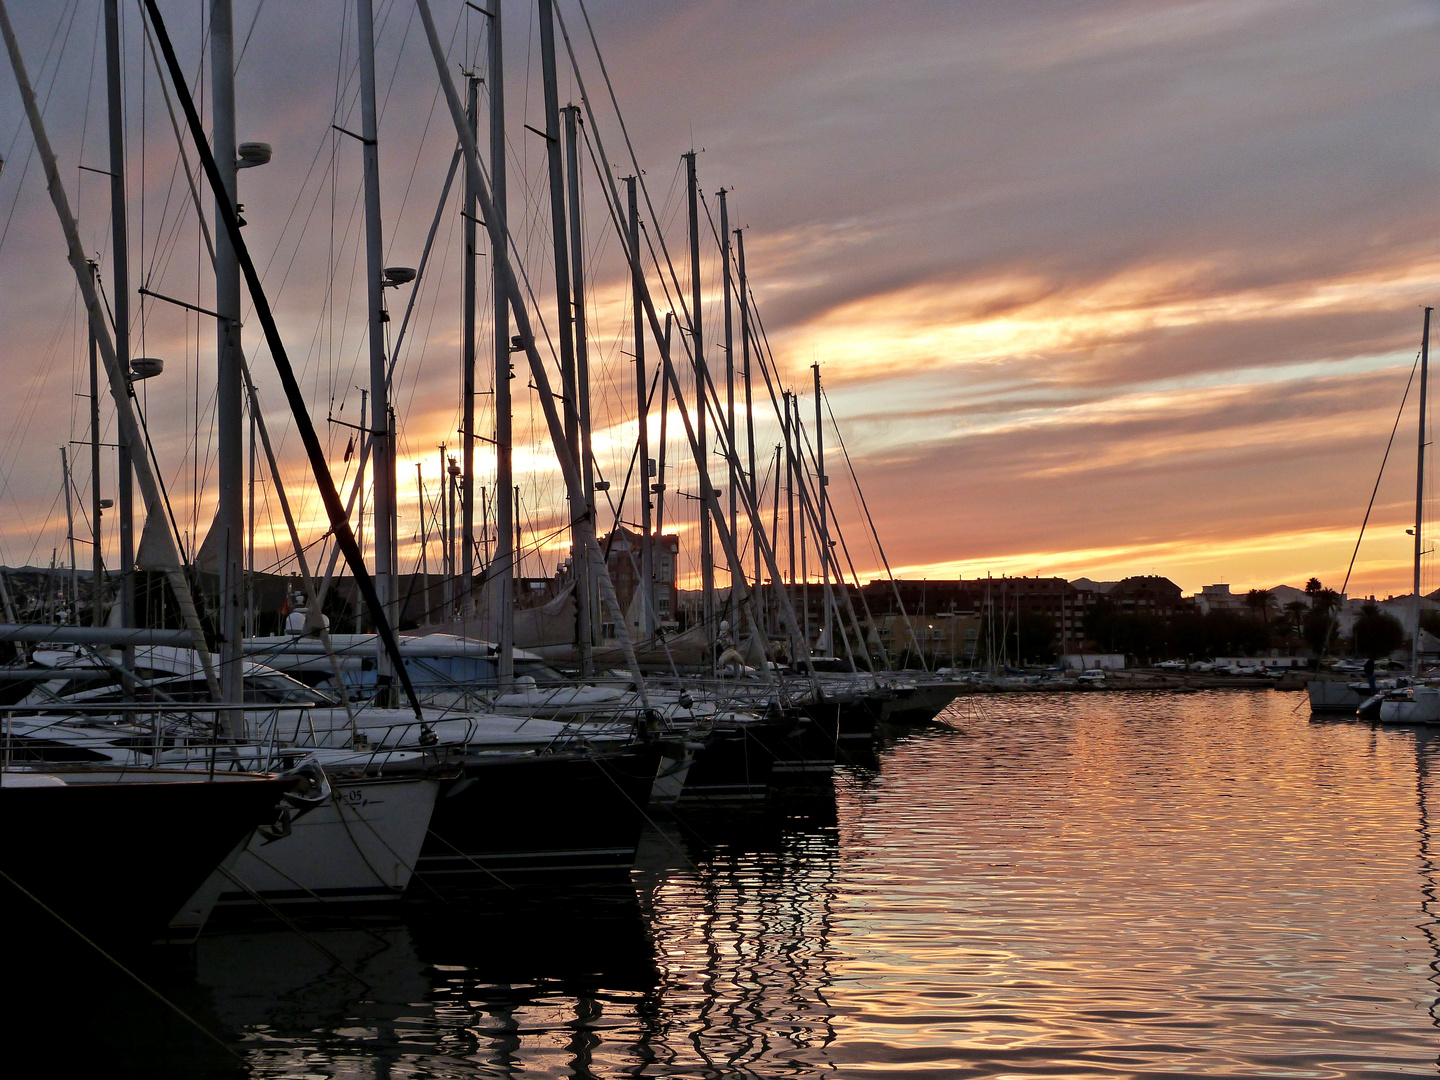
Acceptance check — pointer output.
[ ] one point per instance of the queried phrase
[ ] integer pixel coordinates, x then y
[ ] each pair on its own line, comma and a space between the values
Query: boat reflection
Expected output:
743, 948
1427, 753
714, 961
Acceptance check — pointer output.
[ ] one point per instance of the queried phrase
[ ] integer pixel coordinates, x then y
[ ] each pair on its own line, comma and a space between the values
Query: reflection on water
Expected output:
1427, 749
1101, 884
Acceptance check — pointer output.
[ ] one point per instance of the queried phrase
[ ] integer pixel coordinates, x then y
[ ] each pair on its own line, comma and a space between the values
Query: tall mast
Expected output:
250, 531
120, 304
74, 599
568, 461
744, 289
647, 568
822, 536
664, 435
503, 570
97, 561
569, 390
446, 569
733, 457
382, 450
789, 489
424, 548
467, 370
775, 584
229, 392
452, 483
697, 338
1420, 486
582, 361
799, 476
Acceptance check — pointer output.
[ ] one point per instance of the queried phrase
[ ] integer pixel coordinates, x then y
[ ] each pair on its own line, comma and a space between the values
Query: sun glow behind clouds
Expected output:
1252, 561
1002, 322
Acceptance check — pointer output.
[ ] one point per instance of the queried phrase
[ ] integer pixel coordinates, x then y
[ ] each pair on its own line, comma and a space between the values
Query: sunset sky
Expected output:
1096, 288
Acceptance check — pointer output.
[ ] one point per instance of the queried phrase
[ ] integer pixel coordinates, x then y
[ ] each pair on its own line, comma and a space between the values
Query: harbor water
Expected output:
1101, 884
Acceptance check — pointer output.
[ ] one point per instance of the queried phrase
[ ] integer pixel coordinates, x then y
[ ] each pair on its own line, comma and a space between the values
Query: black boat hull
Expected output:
116, 859
513, 817
734, 768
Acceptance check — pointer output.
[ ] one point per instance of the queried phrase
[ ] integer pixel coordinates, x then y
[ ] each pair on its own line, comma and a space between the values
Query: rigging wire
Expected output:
1334, 615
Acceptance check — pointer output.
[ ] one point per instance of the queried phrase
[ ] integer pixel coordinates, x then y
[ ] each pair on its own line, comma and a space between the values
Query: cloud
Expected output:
1129, 282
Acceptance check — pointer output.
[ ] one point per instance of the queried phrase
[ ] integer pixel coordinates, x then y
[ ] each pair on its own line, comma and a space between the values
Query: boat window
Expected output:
277, 689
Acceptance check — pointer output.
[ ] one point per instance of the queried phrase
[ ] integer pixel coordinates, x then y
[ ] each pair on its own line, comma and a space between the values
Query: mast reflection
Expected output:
1427, 748
743, 948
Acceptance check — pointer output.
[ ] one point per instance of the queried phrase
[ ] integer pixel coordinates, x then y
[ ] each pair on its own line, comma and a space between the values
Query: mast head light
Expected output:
395, 276
145, 367
252, 154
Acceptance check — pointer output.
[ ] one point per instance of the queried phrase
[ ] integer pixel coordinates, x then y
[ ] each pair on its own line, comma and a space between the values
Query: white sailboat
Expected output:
1420, 704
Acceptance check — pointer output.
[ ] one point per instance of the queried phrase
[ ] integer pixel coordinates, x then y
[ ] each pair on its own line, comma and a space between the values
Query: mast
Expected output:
647, 469
120, 303
70, 536
789, 488
229, 393
660, 454
800, 478
383, 452
568, 388
452, 484
822, 535
744, 289
445, 568
569, 462
582, 361
1420, 486
775, 585
167, 556
424, 548
733, 457
504, 569
250, 535
97, 562
697, 337
467, 368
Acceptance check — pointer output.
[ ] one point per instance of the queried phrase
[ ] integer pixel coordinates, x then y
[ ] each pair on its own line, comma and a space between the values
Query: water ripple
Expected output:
1087, 885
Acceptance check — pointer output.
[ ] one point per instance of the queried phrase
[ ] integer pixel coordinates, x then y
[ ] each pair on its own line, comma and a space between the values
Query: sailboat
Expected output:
1420, 704
1357, 698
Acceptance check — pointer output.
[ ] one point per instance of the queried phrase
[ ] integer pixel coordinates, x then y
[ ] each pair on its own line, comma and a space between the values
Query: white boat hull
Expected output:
361, 844
1422, 707
1336, 697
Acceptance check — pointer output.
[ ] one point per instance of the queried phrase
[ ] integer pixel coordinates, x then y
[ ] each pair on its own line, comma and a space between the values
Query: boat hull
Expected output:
359, 846
919, 704
1335, 697
512, 817
1421, 708
116, 859
734, 768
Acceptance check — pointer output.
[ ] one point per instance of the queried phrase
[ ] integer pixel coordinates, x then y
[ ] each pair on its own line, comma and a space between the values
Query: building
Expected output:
989, 600
1147, 595
622, 558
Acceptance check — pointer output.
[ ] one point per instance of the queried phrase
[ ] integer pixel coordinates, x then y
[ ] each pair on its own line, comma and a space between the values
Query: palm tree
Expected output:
1313, 586
1296, 609
1259, 602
